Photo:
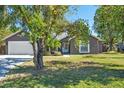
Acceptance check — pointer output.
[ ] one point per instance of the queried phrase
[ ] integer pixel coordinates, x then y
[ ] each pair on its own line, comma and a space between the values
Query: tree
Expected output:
42, 24
4, 23
107, 25
120, 19
79, 29
39, 22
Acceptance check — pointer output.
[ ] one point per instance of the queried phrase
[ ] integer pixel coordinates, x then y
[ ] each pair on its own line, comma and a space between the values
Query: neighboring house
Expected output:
69, 46
120, 47
18, 44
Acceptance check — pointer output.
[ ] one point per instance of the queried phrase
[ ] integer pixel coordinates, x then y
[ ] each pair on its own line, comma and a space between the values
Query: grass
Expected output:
80, 71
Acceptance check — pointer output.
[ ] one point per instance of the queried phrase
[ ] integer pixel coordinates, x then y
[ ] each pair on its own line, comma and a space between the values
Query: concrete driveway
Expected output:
8, 62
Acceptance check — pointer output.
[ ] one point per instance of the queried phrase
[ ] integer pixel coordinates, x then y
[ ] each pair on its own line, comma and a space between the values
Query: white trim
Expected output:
84, 51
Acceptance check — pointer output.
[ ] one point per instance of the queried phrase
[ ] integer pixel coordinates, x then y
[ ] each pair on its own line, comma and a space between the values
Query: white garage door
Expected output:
19, 47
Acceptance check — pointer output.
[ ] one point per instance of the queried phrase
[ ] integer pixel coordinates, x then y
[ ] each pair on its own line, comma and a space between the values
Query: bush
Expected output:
56, 53
111, 52
47, 53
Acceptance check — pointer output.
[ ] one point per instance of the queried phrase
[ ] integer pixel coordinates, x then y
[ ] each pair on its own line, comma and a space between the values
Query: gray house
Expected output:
69, 46
18, 44
120, 47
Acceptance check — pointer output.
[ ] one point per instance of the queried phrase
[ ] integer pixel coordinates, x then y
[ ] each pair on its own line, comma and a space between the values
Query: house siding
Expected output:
74, 49
17, 37
95, 45
100, 47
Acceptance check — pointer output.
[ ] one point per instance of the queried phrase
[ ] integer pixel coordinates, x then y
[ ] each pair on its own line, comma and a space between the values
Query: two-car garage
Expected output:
18, 44
19, 47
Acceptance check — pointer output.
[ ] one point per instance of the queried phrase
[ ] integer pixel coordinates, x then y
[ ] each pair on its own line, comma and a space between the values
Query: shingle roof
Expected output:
66, 36
59, 37
96, 38
63, 35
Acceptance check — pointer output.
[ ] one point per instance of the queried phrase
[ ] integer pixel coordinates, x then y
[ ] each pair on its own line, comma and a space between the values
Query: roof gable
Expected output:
60, 37
17, 36
11, 35
74, 37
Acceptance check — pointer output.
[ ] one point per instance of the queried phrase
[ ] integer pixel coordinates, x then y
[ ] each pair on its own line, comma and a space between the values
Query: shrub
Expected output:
56, 53
47, 53
111, 52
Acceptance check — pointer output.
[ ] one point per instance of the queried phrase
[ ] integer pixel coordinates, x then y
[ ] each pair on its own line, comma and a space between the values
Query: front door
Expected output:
65, 48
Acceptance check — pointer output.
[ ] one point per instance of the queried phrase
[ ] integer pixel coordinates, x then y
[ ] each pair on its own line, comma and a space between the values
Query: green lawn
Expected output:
99, 70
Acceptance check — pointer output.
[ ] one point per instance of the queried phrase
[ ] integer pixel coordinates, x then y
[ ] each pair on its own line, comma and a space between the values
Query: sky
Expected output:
86, 12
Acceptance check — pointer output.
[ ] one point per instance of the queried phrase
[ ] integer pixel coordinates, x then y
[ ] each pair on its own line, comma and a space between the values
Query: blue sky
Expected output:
86, 12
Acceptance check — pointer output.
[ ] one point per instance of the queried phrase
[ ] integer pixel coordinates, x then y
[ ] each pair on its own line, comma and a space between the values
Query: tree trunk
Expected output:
38, 54
35, 54
111, 45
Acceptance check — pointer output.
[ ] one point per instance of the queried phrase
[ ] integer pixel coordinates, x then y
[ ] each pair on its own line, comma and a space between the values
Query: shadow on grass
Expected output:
69, 75
87, 63
24, 69
100, 57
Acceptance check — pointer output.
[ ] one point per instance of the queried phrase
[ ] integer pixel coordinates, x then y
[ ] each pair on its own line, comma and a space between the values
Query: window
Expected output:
84, 48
